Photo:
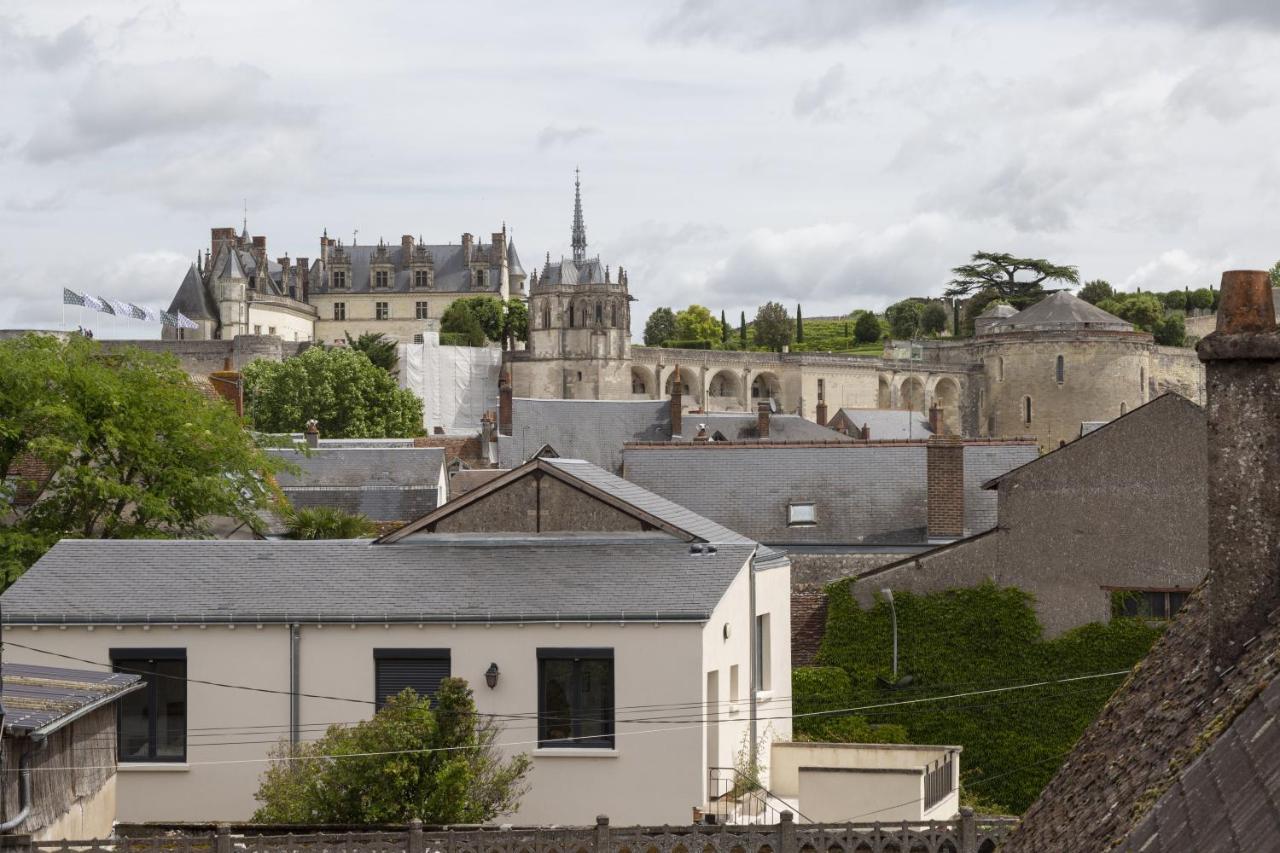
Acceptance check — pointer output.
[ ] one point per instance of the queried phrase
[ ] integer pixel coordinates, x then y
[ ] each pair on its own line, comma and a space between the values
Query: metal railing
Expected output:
735, 798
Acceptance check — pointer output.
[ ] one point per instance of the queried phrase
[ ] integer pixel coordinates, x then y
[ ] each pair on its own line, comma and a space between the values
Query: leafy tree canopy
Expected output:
515, 320
327, 522
461, 322
866, 330
1202, 298
660, 327
488, 312
904, 318
1015, 279
132, 449
696, 323
1175, 300
1095, 291
933, 319
437, 764
1275, 274
1171, 331
380, 349
773, 326
339, 387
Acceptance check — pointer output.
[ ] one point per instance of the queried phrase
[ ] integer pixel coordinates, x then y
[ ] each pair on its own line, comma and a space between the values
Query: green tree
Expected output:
799, 325
129, 447
866, 329
439, 765
696, 323
724, 329
380, 349
904, 318
742, 330
340, 388
515, 322
1171, 331
1143, 310
1019, 280
773, 326
488, 313
1095, 291
327, 522
1175, 300
460, 322
933, 319
1275, 274
660, 327
1202, 298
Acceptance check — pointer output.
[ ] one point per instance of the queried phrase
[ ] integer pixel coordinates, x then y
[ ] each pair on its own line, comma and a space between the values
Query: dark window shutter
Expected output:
422, 673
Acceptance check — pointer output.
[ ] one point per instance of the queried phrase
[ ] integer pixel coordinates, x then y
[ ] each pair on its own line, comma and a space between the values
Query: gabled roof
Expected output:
40, 700
888, 424
387, 484
1062, 310
231, 267
594, 430
451, 273
192, 299
569, 272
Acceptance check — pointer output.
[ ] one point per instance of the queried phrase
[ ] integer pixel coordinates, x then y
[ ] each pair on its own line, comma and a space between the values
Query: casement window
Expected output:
1147, 604
339, 310
381, 310
421, 278
764, 653
152, 722
733, 683
339, 279
1061, 370
575, 698
479, 279
396, 669
420, 310
381, 279
801, 514
271, 330
257, 328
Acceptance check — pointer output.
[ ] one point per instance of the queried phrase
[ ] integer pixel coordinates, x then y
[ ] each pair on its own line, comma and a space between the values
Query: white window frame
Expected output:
802, 514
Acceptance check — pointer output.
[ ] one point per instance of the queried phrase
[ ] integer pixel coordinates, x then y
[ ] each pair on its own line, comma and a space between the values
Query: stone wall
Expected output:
812, 571
200, 358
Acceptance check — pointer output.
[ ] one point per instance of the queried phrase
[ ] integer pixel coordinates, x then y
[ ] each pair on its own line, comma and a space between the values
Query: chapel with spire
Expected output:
579, 323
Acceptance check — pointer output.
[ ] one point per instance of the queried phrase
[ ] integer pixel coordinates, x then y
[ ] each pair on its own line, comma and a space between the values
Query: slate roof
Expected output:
568, 272
889, 424
864, 493
451, 272
500, 578
42, 699
383, 483
1061, 310
731, 426
514, 266
192, 299
998, 309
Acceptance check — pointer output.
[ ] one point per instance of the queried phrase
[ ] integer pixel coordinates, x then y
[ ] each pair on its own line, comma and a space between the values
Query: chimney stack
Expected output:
406, 248
935, 420
313, 433
228, 385
866, 432
762, 420
504, 400
466, 248
677, 403
944, 471
1242, 383
822, 413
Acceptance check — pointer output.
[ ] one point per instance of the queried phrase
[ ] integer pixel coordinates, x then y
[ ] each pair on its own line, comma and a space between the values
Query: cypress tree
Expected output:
724, 328
742, 330
799, 325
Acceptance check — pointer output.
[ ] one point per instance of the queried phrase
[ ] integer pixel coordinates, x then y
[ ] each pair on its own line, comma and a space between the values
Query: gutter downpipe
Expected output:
295, 680
24, 787
753, 750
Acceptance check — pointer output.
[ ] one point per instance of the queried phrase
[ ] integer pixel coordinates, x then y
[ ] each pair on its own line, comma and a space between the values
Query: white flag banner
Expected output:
185, 322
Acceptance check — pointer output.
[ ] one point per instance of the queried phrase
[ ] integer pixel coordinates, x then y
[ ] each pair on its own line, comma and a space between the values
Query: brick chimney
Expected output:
935, 420
304, 279
466, 248
822, 413
313, 433
762, 420
944, 470
260, 251
218, 237
1242, 383
866, 432
406, 248
229, 385
677, 403
504, 400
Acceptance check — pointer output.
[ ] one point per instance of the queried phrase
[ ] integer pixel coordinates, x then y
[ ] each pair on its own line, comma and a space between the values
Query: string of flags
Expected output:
127, 309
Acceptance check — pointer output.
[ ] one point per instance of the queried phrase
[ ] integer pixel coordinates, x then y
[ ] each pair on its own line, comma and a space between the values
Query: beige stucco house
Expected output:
661, 636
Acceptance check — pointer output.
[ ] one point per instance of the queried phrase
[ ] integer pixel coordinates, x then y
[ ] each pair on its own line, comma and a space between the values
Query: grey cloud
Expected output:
47, 203
553, 135
1220, 92
767, 23
121, 103
20, 48
823, 98
1201, 13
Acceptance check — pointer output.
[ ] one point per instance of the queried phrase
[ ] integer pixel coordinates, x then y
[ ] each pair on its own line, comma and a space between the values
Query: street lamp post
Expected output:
888, 594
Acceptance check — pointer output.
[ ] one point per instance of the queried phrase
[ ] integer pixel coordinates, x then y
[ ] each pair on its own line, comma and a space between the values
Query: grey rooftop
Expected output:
41, 699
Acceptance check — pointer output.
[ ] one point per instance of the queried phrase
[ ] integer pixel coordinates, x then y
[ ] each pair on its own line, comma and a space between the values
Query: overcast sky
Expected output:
835, 153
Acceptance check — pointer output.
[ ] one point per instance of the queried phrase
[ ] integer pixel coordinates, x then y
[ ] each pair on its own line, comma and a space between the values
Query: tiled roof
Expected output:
383, 483
864, 493
604, 577
743, 427
889, 424
594, 430
43, 698
192, 299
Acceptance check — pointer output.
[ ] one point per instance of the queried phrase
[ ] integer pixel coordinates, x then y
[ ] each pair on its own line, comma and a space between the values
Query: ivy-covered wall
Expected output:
963, 641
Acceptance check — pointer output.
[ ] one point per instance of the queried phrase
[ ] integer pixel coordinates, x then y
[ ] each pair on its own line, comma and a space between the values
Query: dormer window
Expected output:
339, 279
479, 279
421, 279
381, 279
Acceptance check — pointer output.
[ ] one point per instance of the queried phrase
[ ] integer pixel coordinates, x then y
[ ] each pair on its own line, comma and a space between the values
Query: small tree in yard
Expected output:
460, 321
904, 318
437, 764
380, 349
867, 328
773, 326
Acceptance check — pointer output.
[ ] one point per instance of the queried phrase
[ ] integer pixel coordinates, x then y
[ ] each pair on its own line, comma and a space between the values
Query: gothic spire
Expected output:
579, 229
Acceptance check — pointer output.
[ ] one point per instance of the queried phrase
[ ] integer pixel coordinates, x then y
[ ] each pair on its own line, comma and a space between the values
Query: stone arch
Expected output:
911, 394
688, 388
884, 393
946, 394
724, 391
765, 386
641, 381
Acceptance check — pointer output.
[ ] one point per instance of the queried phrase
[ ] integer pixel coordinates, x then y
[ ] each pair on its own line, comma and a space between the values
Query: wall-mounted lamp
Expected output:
491, 676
